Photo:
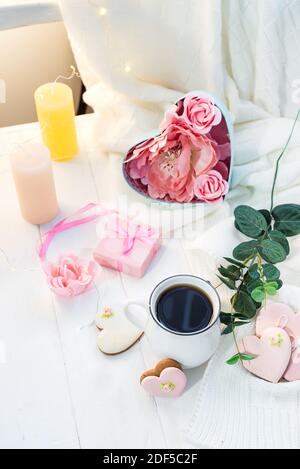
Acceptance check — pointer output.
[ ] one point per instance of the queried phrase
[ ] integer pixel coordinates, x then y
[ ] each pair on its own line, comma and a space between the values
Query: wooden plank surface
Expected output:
58, 390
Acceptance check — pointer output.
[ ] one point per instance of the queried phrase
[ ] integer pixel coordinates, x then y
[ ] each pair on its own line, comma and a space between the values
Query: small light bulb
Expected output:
127, 68
102, 11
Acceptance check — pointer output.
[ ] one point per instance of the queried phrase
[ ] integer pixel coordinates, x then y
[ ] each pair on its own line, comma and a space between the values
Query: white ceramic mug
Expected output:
190, 350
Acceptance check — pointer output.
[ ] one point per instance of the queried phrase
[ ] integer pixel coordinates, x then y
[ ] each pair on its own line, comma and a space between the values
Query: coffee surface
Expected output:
184, 309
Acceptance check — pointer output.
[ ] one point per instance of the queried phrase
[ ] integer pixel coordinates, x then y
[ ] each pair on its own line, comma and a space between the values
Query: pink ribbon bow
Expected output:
130, 234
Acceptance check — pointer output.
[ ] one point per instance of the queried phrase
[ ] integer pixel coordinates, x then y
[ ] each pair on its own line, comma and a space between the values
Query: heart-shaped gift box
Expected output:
189, 160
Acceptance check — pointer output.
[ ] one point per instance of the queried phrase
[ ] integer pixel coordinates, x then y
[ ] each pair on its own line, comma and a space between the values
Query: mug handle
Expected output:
139, 322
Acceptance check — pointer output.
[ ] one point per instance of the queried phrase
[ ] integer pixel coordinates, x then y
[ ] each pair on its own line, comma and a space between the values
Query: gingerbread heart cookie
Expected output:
273, 352
117, 334
165, 380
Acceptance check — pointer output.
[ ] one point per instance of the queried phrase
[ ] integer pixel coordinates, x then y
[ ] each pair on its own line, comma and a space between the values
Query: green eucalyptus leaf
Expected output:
287, 219
223, 271
234, 262
249, 221
271, 288
254, 284
271, 291
272, 252
243, 303
241, 323
241, 317
245, 250
229, 283
258, 294
279, 284
226, 318
281, 239
271, 272
234, 360
267, 215
253, 272
232, 272
229, 329
246, 357
271, 285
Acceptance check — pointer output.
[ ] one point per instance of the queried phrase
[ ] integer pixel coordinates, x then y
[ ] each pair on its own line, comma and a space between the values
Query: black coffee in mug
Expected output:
184, 309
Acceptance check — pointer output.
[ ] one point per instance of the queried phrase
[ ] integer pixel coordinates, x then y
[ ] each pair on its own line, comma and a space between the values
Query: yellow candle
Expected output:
55, 110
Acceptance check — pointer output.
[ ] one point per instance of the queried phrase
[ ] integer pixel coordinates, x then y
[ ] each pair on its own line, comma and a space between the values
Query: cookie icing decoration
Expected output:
273, 351
166, 380
117, 334
107, 313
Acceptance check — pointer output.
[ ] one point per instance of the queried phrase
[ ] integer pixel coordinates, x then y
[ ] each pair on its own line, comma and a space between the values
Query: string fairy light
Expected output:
11, 267
127, 68
102, 11
74, 74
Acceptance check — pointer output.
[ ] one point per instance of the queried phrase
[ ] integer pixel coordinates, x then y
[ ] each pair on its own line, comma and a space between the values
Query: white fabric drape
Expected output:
137, 56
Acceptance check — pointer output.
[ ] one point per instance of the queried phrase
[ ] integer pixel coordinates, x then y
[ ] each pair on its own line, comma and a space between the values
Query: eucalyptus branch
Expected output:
252, 273
279, 160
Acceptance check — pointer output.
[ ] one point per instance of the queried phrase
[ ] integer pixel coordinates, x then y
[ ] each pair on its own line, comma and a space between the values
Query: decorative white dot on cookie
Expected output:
117, 334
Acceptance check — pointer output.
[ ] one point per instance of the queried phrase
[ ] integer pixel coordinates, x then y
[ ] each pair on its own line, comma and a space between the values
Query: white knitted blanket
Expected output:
235, 410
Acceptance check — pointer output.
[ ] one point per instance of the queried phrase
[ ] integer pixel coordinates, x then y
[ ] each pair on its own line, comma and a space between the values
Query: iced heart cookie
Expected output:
278, 315
273, 352
281, 315
293, 371
165, 380
117, 334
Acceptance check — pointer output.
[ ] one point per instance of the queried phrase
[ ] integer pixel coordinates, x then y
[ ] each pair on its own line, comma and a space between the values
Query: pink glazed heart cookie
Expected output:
281, 315
278, 315
165, 380
273, 352
293, 371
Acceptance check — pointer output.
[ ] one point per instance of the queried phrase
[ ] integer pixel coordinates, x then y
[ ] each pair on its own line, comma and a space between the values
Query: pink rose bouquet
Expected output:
189, 160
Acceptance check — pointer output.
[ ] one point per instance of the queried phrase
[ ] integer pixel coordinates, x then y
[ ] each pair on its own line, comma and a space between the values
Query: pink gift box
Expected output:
128, 247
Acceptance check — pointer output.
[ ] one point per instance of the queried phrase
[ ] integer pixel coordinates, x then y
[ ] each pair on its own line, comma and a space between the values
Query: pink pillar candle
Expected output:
33, 175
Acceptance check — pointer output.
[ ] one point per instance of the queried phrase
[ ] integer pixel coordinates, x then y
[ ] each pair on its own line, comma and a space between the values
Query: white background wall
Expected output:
29, 57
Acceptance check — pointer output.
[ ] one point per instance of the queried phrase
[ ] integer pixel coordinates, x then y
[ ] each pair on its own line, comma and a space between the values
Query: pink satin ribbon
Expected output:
139, 232
64, 225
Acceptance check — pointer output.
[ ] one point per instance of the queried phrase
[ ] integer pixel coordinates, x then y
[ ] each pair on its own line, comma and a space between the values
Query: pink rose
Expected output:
169, 171
196, 112
71, 276
148, 148
210, 187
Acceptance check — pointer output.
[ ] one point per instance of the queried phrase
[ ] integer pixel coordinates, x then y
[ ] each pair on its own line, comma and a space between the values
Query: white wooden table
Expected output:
57, 389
